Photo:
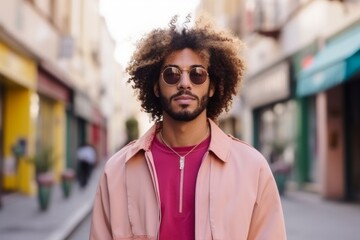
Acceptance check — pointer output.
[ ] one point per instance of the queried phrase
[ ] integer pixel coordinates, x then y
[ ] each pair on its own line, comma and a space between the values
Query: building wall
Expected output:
24, 23
18, 76
335, 162
276, 33
62, 37
227, 13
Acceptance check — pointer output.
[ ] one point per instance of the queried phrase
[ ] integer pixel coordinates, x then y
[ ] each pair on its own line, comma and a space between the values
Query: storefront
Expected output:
18, 79
99, 133
268, 94
352, 134
307, 159
53, 97
231, 122
1, 134
90, 124
333, 79
83, 110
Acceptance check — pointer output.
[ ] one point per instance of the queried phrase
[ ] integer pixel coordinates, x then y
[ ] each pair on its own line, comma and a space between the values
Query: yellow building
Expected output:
18, 83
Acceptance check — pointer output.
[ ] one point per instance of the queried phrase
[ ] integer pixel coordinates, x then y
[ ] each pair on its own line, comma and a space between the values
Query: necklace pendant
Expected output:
182, 162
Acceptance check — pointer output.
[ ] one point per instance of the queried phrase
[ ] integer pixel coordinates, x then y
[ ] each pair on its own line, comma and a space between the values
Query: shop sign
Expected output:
269, 86
49, 86
83, 106
18, 68
85, 109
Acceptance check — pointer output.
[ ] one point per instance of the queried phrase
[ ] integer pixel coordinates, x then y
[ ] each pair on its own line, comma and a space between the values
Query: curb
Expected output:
72, 223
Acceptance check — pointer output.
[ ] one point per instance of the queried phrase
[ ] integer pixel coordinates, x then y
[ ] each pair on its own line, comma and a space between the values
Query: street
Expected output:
82, 231
307, 216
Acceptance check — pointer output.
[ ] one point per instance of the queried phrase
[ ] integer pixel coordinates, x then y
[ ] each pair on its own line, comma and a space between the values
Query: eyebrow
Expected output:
191, 66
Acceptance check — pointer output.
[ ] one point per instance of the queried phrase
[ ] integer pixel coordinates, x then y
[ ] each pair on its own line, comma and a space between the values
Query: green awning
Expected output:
334, 64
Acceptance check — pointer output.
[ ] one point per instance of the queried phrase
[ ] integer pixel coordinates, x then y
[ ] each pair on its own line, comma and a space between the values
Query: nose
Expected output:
184, 82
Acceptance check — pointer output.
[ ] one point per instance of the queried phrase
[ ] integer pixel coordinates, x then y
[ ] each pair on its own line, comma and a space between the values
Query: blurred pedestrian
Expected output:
185, 178
86, 157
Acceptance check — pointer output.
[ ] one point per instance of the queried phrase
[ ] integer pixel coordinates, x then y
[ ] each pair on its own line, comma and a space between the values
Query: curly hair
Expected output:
221, 49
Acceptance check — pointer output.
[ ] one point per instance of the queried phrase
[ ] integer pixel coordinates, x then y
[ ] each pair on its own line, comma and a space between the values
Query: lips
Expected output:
184, 99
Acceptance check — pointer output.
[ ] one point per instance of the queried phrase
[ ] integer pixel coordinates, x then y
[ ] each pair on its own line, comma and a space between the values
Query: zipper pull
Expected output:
182, 163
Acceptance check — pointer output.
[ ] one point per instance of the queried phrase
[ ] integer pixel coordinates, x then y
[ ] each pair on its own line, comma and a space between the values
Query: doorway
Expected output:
352, 128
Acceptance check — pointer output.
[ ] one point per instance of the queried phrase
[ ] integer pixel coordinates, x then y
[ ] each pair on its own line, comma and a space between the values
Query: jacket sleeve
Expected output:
267, 219
100, 222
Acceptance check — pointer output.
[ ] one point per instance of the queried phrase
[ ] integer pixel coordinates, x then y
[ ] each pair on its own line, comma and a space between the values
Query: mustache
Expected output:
184, 92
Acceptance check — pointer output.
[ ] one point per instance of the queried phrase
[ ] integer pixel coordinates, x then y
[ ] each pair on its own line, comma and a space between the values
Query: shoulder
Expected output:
249, 163
244, 152
233, 150
116, 163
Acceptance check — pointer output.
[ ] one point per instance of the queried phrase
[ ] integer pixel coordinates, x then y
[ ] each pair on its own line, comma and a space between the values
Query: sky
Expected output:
129, 20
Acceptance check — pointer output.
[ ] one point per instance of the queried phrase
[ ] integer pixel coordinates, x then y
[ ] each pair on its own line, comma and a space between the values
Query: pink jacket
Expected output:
236, 195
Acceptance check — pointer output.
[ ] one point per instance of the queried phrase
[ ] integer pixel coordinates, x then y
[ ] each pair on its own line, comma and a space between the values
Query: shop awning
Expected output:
334, 64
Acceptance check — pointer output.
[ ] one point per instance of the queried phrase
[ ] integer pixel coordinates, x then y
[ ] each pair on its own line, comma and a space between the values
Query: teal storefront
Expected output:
334, 64
335, 74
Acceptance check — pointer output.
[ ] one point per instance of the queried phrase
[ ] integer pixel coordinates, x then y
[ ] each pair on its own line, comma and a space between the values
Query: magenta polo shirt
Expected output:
177, 190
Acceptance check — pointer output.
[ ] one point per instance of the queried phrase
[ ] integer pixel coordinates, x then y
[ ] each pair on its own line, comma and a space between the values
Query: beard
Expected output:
184, 115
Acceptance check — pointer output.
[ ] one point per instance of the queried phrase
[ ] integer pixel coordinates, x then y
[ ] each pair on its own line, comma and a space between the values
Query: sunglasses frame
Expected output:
181, 73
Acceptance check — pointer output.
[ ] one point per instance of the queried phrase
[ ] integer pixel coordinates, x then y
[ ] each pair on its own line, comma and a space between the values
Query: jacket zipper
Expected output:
182, 166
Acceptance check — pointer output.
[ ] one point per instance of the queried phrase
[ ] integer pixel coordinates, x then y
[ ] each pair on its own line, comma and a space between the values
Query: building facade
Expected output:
298, 98
53, 55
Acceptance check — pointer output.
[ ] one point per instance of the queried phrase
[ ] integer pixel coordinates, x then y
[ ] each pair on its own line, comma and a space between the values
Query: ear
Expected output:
156, 89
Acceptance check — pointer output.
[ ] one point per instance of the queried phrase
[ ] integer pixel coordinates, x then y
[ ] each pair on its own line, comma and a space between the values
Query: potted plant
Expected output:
43, 162
67, 178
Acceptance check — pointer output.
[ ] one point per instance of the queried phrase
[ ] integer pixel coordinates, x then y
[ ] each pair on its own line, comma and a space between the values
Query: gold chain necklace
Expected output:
182, 158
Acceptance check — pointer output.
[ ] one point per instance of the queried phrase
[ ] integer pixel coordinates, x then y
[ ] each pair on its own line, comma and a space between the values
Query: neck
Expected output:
182, 134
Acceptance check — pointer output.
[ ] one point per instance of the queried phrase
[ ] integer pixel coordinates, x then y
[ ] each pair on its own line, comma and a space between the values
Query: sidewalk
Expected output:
308, 216
20, 217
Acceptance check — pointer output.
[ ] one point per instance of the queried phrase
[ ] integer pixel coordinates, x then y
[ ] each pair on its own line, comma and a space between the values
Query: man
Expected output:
185, 178
86, 156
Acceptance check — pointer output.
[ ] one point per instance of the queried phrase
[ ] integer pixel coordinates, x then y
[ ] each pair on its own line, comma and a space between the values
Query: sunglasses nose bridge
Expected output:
185, 75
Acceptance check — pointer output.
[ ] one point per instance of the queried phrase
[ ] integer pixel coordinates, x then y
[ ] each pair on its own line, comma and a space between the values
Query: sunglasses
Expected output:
172, 74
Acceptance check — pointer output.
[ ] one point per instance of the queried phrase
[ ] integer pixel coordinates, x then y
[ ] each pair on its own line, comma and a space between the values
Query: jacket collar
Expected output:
219, 142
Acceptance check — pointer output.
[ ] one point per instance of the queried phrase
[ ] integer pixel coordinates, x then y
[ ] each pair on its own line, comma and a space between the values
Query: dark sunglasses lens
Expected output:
171, 75
198, 75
